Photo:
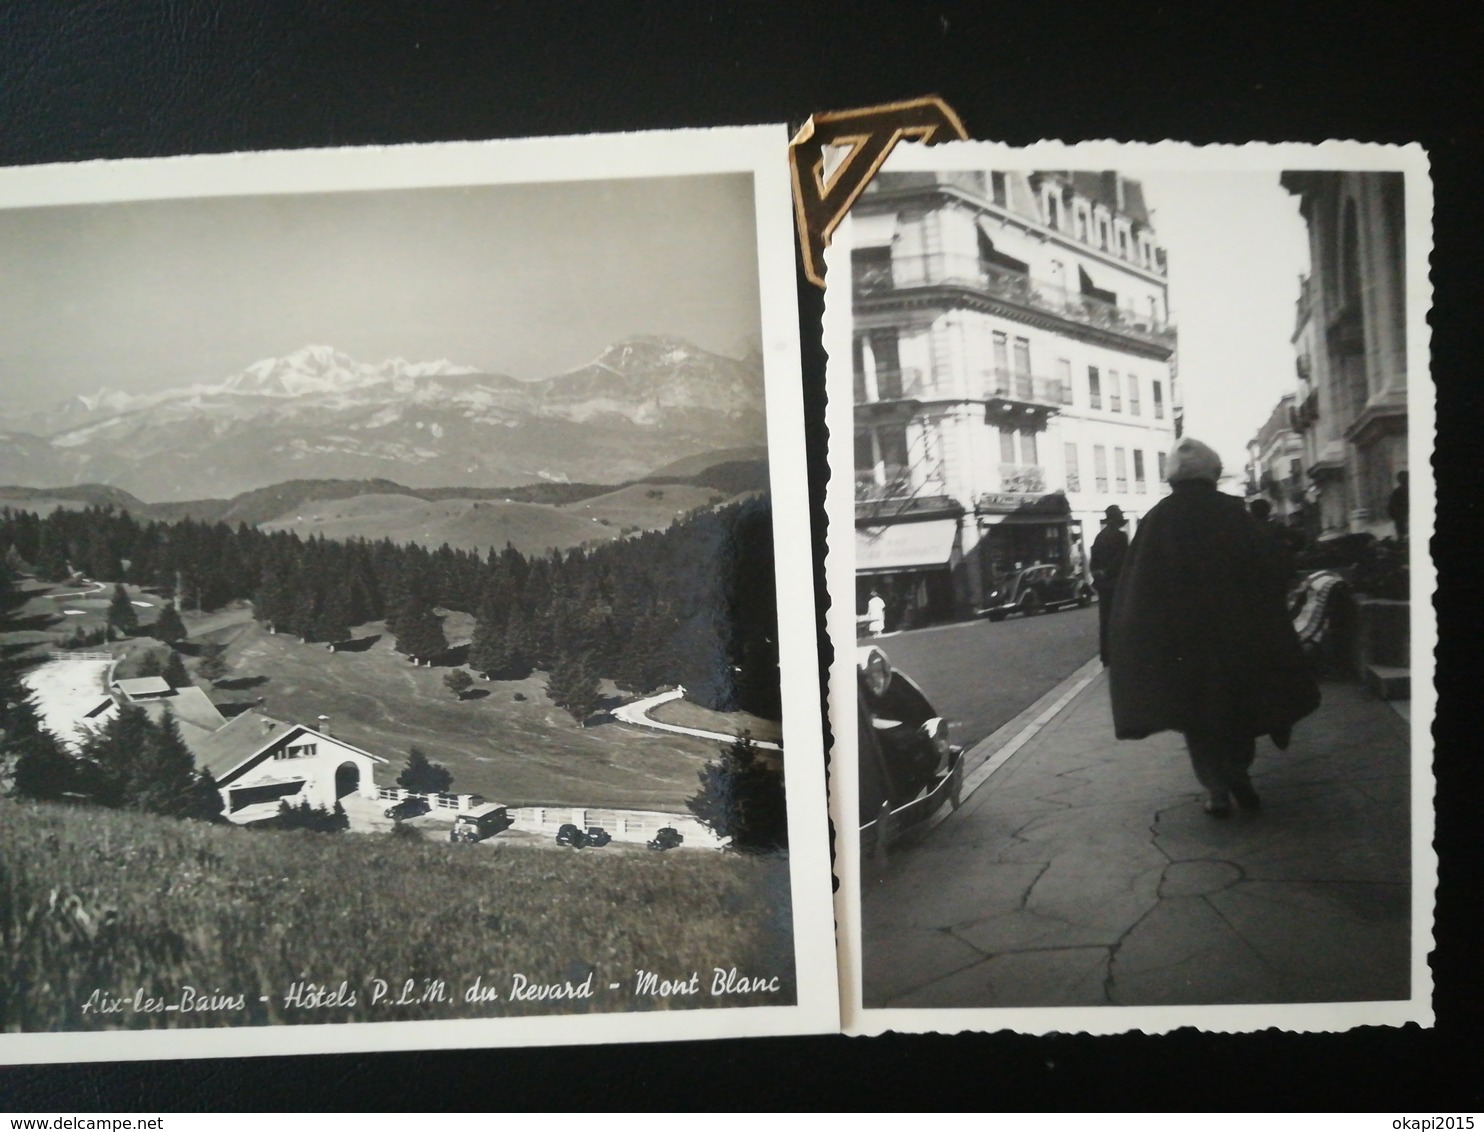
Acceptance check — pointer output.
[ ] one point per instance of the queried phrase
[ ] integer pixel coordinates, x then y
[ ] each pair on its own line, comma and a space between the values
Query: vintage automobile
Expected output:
908, 767
667, 838
571, 836
409, 807
1034, 589
596, 836
477, 824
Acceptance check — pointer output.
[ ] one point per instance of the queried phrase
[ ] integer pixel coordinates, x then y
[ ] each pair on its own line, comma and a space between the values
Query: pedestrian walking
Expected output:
1108, 551
875, 614
1277, 535
1200, 636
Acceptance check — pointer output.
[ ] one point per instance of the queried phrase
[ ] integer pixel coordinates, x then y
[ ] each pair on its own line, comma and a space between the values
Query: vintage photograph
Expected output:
392, 619
1123, 555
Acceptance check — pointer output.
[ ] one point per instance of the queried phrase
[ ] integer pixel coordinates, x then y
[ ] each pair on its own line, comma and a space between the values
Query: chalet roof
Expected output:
191, 708
143, 686
227, 748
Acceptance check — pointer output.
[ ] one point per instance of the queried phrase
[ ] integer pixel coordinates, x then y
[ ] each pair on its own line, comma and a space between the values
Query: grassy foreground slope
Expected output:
96, 900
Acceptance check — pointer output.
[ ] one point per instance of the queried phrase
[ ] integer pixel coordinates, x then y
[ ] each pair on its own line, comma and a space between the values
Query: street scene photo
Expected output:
388, 618
1131, 641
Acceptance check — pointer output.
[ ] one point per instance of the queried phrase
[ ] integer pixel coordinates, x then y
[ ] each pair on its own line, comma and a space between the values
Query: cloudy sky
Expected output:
527, 280
1237, 246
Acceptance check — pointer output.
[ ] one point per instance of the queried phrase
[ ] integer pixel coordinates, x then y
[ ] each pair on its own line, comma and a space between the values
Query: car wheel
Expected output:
996, 616
1084, 598
1030, 604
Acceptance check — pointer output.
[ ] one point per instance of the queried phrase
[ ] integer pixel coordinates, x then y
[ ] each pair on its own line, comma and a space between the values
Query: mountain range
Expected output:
320, 414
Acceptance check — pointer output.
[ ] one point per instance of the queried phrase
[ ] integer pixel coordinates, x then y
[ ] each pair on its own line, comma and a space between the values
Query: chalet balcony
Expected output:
908, 273
1028, 478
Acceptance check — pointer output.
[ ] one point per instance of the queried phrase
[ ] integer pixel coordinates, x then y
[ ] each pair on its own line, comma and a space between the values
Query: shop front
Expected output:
1019, 530
915, 566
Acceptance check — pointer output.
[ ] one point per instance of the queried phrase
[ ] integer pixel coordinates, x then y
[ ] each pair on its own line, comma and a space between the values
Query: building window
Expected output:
1001, 353
1159, 402
1064, 379
1133, 395
1153, 310
1094, 388
1053, 211
1159, 465
878, 368
295, 751
1074, 475
881, 462
1022, 355
1115, 395
1120, 471
1082, 224
997, 188
1007, 446
1100, 467
1103, 232
1028, 454
1123, 243
1139, 485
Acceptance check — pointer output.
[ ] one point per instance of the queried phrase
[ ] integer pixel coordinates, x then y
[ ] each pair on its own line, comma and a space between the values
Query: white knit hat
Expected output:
1192, 460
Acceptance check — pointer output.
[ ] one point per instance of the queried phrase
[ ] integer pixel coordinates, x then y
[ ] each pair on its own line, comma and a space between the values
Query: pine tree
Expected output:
151, 664
111, 756
573, 685
419, 630
122, 617
213, 664
458, 682
39, 768
742, 798
333, 622
175, 673
424, 777
168, 626
163, 775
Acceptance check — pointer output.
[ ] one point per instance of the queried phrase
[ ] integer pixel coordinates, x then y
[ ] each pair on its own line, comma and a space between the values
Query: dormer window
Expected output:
296, 751
1053, 212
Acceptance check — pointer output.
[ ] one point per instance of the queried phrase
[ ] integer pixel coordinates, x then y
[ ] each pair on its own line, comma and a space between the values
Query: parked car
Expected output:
667, 838
477, 824
596, 836
1034, 589
908, 766
571, 836
408, 807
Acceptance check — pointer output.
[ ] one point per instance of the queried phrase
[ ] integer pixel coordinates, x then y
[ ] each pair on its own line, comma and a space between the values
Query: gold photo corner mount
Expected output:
871, 133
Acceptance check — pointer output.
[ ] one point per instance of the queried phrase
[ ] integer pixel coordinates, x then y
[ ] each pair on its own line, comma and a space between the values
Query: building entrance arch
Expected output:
347, 779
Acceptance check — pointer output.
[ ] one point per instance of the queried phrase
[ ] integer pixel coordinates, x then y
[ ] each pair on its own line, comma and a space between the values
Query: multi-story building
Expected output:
1275, 464
1013, 361
1351, 346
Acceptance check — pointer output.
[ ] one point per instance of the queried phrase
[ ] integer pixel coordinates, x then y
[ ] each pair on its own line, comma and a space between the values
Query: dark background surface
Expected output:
86, 80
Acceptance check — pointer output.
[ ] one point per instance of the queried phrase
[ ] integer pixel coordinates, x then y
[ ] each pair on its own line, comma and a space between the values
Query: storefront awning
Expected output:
905, 546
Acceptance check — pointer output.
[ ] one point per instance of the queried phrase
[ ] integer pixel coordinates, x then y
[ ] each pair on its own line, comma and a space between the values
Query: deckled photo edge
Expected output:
1135, 158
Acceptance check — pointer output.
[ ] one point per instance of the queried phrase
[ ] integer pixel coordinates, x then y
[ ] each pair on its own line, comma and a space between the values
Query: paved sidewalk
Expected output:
1084, 873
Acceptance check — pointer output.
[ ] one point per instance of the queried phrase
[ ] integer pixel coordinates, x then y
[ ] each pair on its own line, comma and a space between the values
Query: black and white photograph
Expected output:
1123, 555
406, 610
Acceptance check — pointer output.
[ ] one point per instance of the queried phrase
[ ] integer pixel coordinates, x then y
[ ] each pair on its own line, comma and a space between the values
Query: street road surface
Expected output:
982, 674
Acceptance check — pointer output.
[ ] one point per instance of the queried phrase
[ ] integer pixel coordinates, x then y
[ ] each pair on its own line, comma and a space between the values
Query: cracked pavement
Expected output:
1084, 873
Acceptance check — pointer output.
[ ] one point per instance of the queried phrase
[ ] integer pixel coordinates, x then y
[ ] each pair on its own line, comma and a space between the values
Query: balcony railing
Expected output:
895, 484
908, 272
900, 384
1025, 387
1022, 477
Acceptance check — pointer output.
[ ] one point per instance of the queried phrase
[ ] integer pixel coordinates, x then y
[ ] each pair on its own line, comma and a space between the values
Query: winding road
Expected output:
637, 713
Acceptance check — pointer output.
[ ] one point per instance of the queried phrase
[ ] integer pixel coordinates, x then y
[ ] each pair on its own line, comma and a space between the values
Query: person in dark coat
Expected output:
1201, 641
1276, 533
1108, 551
1396, 506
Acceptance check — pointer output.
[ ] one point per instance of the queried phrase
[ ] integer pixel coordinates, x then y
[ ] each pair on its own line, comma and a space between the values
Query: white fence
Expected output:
452, 803
622, 825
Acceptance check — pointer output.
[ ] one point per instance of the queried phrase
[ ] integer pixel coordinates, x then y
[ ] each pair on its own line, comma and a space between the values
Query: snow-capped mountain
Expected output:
318, 413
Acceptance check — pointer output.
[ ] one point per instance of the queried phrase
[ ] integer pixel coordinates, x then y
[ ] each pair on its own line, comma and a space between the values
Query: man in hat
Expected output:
1108, 551
1200, 637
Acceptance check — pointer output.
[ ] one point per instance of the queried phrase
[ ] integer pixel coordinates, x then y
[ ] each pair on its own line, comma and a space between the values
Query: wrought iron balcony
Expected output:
907, 273
1026, 388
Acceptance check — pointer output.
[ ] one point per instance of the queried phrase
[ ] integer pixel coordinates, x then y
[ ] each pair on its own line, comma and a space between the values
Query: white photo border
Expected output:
759, 151
1134, 159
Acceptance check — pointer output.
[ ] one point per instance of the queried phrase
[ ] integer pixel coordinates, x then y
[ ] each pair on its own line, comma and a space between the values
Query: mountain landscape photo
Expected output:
318, 414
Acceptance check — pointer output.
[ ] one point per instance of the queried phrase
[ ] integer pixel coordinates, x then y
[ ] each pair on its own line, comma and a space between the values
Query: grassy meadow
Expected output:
140, 908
